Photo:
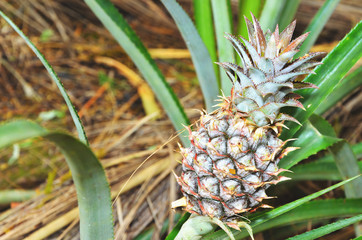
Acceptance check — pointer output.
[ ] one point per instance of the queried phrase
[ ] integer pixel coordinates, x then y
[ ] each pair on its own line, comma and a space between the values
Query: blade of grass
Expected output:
199, 54
289, 10
316, 25
345, 87
73, 112
271, 13
335, 65
205, 27
222, 18
262, 218
322, 231
93, 191
127, 38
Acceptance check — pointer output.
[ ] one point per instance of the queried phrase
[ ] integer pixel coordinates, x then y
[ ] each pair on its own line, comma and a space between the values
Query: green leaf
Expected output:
322, 231
316, 25
93, 192
343, 155
347, 165
319, 209
178, 226
205, 27
324, 136
335, 65
289, 206
356, 148
316, 170
245, 8
46, 35
127, 38
199, 54
222, 18
267, 216
148, 233
345, 87
312, 138
9, 196
271, 13
289, 10
72, 110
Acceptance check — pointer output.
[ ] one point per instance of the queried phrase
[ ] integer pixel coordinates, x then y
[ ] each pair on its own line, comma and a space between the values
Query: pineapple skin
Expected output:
235, 150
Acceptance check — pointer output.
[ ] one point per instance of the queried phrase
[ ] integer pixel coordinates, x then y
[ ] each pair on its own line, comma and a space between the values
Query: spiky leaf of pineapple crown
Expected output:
267, 78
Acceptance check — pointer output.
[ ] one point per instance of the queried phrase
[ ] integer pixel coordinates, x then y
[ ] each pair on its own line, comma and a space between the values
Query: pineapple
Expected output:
235, 150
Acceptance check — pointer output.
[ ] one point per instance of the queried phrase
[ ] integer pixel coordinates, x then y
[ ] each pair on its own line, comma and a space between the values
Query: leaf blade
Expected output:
347, 165
222, 19
262, 218
335, 65
205, 27
93, 192
271, 13
322, 231
316, 25
289, 10
346, 86
318, 209
127, 38
316, 170
311, 139
199, 54
245, 8
73, 112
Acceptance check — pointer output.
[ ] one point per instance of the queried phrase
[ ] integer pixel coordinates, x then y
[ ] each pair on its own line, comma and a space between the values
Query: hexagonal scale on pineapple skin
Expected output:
193, 204
212, 208
203, 165
201, 139
216, 148
188, 160
217, 127
190, 179
237, 146
238, 205
208, 187
224, 168
231, 189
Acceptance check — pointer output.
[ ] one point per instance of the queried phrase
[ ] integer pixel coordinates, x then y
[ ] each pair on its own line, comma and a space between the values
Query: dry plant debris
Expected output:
75, 43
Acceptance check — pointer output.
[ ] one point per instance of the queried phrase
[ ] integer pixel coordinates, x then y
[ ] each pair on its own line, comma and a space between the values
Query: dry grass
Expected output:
119, 132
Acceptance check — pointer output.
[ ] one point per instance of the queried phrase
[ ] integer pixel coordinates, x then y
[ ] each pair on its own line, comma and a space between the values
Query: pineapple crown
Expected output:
267, 78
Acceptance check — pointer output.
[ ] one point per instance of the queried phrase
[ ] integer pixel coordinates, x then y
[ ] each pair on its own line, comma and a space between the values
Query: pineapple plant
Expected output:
236, 149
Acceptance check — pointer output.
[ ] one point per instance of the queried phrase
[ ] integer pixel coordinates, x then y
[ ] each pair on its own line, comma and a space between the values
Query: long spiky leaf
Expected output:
73, 112
127, 38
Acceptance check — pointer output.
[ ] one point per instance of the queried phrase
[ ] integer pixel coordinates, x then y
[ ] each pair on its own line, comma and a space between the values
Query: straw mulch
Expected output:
138, 151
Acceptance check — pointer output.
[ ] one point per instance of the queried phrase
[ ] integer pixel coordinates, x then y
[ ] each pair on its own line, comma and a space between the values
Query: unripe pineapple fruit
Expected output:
235, 150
